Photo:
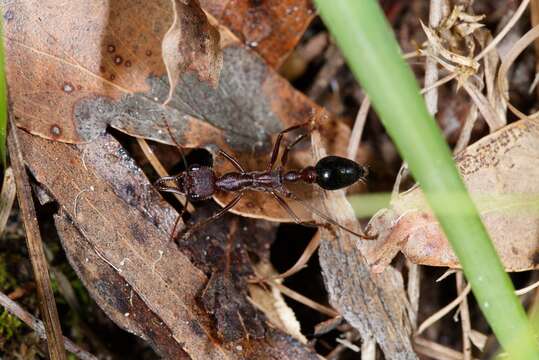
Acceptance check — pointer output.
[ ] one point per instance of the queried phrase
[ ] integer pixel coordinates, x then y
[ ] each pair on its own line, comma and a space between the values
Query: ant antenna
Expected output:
304, 204
180, 148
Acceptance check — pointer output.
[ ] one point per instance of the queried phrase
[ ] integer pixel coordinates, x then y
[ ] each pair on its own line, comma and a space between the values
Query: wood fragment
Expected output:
35, 248
7, 197
374, 304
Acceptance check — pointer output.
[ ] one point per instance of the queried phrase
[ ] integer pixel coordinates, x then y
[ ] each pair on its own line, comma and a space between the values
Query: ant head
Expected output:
335, 172
199, 182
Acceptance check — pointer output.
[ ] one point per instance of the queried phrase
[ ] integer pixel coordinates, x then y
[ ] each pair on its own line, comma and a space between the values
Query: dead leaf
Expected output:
500, 172
271, 28
114, 226
191, 44
71, 77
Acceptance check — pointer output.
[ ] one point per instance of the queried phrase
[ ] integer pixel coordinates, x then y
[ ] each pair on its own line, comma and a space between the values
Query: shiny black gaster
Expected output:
334, 172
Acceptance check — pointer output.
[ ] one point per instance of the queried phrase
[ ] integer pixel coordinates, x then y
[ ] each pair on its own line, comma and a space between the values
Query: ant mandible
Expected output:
201, 183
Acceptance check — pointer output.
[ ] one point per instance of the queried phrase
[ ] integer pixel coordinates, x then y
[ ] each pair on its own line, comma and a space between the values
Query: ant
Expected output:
200, 182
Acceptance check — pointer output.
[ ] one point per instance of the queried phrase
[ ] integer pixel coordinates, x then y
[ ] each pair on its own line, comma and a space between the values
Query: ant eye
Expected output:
194, 167
334, 172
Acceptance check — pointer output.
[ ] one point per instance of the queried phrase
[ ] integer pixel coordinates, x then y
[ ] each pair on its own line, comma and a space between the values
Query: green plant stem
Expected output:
372, 52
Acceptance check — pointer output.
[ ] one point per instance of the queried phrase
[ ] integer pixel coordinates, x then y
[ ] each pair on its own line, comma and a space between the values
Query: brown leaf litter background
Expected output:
209, 71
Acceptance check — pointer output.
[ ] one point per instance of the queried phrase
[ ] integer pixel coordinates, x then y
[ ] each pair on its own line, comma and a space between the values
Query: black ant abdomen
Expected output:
335, 172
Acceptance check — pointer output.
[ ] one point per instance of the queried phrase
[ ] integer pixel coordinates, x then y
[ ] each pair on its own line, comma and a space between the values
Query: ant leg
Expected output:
277, 144
287, 193
233, 160
214, 217
309, 250
292, 214
180, 216
284, 157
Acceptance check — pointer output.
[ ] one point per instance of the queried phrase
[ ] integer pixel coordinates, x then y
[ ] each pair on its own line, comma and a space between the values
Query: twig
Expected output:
359, 125
443, 311
35, 248
505, 30
466, 131
446, 309
301, 263
413, 289
434, 350
464, 319
304, 300
534, 12
436, 14
37, 325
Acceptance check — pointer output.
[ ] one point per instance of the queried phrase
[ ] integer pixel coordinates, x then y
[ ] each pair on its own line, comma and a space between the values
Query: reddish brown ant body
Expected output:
330, 173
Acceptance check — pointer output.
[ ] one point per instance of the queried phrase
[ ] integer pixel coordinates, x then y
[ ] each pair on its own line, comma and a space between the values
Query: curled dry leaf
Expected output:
114, 225
71, 77
500, 172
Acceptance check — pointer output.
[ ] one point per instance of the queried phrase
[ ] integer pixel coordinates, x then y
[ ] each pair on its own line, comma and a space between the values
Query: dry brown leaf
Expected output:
271, 28
191, 45
71, 77
114, 225
500, 172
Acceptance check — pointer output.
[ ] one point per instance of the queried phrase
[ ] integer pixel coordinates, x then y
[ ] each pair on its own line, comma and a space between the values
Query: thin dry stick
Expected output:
413, 290
310, 249
446, 309
35, 324
443, 311
527, 289
516, 50
505, 30
534, 11
466, 131
464, 319
436, 14
35, 248
359, 125
7, 197
304, 300
434, 350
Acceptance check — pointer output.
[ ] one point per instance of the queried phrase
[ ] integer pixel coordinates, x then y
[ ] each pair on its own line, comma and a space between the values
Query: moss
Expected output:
9, 325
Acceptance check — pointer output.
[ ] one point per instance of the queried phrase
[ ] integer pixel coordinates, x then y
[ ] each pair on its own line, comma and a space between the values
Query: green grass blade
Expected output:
372, 52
